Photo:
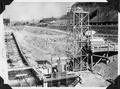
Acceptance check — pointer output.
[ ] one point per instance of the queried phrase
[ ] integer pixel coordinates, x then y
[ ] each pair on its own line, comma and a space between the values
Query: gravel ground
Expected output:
108, 71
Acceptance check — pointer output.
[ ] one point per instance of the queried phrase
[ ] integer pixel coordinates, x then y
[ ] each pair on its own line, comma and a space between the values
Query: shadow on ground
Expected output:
115, 84
2, 85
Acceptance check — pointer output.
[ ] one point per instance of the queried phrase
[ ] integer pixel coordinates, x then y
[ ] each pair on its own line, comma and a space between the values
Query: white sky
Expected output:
35, 10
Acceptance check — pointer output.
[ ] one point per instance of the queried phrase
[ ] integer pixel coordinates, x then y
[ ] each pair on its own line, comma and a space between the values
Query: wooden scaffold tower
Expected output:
80, 49
79, 52
78, 40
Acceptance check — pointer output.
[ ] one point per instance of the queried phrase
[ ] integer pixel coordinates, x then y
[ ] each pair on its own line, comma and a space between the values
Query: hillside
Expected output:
99, 12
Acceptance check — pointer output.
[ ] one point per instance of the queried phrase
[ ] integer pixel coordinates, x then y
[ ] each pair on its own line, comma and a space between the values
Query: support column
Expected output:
91, 62
45, 84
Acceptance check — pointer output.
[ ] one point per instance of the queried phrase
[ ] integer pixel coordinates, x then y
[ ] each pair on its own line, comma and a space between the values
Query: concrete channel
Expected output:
23, 75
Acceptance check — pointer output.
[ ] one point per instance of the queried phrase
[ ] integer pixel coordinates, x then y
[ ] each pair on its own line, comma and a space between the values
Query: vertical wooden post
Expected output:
81, 67
91, 62
45, 84
66, 72
113, 55
74, 42
51, 72
87, 61
59, 71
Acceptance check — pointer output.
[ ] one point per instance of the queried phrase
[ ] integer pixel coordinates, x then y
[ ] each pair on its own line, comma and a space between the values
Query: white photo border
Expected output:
71, 1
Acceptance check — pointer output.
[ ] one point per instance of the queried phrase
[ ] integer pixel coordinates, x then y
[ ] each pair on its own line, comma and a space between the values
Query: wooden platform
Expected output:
62, 77
104, 48
19, 68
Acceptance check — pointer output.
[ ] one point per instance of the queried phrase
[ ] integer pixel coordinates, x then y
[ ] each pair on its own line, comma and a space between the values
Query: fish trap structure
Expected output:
78, 40
83, 51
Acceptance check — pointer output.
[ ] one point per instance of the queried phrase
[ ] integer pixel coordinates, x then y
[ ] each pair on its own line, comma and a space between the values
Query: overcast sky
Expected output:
35, 10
